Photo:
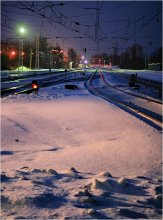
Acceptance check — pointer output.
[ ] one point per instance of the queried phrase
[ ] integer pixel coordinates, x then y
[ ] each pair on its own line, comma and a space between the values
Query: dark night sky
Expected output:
121, 23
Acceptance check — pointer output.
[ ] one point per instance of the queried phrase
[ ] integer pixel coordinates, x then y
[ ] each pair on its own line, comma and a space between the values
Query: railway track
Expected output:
44, 83
26, 88
130, 93
150, 117
19, 76
143, 86
140, 80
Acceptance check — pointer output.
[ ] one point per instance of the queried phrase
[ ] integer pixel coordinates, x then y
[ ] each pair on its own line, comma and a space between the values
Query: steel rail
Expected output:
143, 81
130, 93
47, 83
12, 77
41, 83
50, 84
151, 118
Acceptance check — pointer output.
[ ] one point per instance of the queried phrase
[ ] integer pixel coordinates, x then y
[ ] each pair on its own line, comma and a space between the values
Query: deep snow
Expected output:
60, 129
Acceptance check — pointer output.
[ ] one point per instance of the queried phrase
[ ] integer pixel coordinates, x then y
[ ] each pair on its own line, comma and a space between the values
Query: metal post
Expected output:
145, 58
97, 29
19, 55
20, 61
37, 52
22, 51
30, 64
146, 49
51, 60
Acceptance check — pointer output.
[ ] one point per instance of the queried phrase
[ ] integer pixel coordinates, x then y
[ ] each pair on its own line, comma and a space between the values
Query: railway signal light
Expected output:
35, 86
13, 53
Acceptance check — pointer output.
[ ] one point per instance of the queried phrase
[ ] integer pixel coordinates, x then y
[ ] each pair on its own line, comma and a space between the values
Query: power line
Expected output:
117, 7
60, 18
146, 23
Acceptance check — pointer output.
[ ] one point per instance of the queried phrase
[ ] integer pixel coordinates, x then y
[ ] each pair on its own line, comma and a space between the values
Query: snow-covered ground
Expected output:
145, 74
68, 154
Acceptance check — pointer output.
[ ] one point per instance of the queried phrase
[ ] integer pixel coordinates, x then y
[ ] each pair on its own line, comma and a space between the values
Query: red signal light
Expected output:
13, 53
34, 86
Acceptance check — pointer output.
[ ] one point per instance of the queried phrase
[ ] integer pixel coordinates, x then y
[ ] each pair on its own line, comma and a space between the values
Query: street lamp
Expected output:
99, 63
70, 65
82, 61
22, 31
85, 65
12, 54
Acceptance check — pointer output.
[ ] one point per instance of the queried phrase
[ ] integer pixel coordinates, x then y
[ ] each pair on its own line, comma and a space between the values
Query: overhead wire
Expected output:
131, 36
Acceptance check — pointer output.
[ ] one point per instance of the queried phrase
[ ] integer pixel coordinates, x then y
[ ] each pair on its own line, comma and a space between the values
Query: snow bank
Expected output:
49, 195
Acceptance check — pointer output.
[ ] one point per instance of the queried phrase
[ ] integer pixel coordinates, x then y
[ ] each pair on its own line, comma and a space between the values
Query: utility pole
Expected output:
37, 51
146, 49
30, 64
97, 29
20, 62
97, 26
51, 59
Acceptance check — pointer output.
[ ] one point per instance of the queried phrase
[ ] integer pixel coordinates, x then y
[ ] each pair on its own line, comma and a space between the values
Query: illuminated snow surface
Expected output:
68, 154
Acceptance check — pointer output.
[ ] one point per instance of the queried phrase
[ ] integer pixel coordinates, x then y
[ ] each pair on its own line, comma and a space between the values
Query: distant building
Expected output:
154, 66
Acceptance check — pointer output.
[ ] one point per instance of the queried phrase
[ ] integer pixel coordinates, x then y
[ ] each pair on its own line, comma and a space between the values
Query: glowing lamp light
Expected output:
22, 30
22, 53
13, 53
85, 61
82, 57
35, 86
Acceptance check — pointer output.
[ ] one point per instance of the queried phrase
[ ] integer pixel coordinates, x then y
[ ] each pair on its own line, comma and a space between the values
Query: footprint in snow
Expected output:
67, 129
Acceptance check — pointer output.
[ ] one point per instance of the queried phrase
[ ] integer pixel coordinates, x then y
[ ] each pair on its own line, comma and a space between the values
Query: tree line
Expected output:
49, 56
134, 57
